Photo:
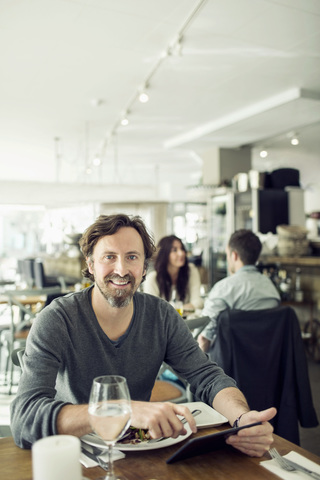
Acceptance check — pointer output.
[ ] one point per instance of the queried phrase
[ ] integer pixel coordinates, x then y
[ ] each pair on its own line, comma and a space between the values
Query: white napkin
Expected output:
274, 467
88, 462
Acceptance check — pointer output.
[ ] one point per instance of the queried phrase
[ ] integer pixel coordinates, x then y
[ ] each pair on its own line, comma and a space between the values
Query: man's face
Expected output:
118, 265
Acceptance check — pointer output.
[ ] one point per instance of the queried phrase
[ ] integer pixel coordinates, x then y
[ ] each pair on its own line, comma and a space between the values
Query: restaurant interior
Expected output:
202, 117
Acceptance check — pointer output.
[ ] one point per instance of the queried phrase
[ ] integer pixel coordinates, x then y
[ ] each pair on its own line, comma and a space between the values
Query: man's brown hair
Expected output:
247, 245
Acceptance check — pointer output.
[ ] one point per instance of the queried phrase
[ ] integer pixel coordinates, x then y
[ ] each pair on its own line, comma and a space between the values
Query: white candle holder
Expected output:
56, 457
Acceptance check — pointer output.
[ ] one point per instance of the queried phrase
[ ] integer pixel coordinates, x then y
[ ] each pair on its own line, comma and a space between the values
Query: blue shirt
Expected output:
247, 289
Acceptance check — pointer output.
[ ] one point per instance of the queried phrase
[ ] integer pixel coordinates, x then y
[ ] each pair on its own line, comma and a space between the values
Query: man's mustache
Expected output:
118, 278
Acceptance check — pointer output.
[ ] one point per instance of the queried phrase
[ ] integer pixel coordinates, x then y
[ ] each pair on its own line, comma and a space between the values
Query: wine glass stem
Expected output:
110, 461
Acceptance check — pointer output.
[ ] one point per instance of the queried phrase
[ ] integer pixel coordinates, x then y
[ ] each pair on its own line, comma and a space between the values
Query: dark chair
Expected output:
27, 267
41, 279
264, 352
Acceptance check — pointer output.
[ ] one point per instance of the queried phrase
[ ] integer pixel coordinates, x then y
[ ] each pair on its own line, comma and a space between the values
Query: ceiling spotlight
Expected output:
263, 153
164, 53
294, 138
124, 122
143, 97
124, 118
96, 161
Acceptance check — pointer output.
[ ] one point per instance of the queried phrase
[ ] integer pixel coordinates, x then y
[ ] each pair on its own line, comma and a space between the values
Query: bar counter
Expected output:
313, 261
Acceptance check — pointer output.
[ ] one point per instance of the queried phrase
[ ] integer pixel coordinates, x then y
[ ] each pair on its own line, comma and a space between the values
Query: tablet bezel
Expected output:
207, 443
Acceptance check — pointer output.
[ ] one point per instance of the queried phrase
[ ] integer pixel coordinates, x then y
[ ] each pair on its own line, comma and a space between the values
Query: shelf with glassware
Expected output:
259, 210
302, 261
298, 282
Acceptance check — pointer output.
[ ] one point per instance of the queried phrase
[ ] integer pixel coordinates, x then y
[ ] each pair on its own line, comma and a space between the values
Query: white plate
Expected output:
126, 447
208, 416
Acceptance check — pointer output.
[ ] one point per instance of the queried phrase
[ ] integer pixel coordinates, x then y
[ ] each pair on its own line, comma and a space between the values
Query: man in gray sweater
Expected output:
111, 328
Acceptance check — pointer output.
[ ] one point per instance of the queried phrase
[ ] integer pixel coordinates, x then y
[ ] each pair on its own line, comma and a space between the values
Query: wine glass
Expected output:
110, 413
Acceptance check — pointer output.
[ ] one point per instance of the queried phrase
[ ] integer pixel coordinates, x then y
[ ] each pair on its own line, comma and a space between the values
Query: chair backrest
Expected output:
39, 275
17, 357
28, 271
41, 279
264, 352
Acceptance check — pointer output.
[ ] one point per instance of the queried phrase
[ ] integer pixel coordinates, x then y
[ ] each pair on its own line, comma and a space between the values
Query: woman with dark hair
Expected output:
174, 278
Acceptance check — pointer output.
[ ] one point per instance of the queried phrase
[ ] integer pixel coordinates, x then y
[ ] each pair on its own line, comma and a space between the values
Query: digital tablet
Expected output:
205, 444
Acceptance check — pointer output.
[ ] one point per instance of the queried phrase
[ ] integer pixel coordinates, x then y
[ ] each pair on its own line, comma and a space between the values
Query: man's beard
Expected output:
118, 297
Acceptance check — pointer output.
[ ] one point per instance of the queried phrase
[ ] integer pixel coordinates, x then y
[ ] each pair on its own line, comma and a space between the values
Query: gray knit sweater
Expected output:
66, 349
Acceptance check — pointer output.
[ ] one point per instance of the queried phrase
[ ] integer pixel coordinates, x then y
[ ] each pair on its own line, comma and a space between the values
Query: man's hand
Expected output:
204, 343
254, 441
161, 418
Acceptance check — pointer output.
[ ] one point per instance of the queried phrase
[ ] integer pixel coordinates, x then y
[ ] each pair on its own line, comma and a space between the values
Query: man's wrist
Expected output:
236, 423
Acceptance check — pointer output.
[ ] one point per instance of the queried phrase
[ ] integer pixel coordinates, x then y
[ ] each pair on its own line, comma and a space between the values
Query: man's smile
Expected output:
119, 283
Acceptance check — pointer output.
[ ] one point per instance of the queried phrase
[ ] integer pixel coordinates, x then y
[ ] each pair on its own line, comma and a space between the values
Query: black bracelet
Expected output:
237, 420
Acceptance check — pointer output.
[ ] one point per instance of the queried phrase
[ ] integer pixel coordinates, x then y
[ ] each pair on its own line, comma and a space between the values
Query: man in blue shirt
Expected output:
245, 289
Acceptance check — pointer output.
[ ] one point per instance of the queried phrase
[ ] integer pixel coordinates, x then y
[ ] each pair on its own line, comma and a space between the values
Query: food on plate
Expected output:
135, 435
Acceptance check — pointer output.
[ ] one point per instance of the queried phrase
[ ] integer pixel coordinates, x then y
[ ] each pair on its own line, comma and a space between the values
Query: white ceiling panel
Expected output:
71, 68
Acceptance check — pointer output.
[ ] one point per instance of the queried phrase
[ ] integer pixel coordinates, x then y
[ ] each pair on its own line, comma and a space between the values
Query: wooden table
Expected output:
224, 464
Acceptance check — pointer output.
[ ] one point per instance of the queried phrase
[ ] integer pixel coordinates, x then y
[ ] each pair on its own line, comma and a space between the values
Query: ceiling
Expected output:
224, 73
